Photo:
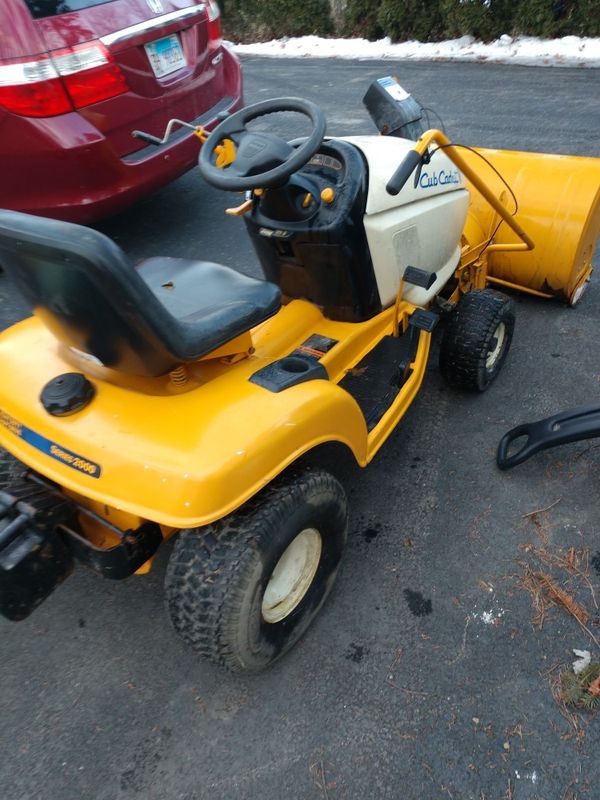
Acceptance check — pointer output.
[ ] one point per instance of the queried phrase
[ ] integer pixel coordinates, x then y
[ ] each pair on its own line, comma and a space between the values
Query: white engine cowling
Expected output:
420, 227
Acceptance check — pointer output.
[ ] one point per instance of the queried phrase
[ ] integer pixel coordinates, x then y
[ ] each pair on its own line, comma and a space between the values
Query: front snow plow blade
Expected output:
559, 207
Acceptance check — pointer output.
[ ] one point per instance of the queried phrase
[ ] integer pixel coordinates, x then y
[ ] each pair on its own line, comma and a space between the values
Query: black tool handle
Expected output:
147, 137
404, 171
568, 426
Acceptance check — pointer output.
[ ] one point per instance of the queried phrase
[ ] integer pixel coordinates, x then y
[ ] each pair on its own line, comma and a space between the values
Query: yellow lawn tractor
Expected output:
178, 397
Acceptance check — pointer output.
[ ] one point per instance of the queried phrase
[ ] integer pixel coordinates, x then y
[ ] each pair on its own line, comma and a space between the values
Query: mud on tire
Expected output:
224, 594
477, 339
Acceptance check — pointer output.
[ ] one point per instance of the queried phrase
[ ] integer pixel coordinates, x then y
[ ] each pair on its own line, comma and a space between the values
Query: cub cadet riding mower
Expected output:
178, 396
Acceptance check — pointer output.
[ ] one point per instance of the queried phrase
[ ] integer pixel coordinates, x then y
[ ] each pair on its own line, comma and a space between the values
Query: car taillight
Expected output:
89, 73
56, 83
214, 22
33, 88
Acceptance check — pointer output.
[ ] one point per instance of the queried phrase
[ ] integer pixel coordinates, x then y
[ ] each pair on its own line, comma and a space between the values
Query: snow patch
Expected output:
584, 658
527, 776
570, 51
491, 617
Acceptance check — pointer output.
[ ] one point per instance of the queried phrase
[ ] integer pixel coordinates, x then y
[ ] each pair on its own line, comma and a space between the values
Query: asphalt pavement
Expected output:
425, 676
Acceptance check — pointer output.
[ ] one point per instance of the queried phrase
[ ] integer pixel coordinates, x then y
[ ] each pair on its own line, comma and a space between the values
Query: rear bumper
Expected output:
63, 167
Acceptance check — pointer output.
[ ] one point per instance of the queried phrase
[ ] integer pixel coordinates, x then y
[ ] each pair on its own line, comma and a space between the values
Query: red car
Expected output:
78, 76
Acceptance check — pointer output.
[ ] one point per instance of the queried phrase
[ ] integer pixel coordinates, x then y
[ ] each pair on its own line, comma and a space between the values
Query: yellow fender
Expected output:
186, 455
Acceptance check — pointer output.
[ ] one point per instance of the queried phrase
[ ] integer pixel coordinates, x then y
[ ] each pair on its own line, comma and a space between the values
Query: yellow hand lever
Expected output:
226, 153
240, 210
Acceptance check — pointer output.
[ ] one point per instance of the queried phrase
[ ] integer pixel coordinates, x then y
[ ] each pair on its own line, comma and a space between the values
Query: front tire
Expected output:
243, 590
477, 339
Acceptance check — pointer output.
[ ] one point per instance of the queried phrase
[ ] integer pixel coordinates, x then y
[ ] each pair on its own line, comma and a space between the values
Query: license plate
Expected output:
165, 55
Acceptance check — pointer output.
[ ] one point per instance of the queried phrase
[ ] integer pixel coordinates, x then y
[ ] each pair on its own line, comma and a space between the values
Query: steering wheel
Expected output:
262, 160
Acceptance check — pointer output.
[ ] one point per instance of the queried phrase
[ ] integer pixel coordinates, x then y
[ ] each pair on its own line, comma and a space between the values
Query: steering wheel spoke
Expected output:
262, 158
234, 132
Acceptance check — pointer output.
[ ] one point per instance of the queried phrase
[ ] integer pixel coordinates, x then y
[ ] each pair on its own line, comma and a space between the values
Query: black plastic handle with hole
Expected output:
567, 426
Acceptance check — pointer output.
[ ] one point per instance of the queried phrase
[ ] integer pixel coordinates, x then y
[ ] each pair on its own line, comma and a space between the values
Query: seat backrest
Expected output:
87, 292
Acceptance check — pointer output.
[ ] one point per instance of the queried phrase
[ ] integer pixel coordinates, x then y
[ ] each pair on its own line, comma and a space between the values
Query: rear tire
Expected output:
477, 339
243, 590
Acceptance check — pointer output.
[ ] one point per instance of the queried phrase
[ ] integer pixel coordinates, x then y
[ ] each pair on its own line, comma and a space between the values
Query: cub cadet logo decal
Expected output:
51, 449
441, 178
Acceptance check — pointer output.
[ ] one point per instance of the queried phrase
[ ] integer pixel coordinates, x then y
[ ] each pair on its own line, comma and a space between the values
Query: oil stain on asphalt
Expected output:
418, 605
371, 533
356, 653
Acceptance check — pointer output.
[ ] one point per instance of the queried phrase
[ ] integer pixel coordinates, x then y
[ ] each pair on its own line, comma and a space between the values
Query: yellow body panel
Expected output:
184, 456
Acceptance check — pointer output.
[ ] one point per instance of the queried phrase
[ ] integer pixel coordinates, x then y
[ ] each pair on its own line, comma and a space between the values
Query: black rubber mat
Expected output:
377, 379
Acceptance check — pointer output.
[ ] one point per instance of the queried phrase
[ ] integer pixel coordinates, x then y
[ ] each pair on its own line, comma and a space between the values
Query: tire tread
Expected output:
210, 568
463, 352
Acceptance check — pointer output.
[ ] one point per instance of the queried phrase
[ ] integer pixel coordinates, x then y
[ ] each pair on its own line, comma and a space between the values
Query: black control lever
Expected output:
567, 426
425, 159
411, 160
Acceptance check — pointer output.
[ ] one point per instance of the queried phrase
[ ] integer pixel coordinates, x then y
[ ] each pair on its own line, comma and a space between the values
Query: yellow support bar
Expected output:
519, 288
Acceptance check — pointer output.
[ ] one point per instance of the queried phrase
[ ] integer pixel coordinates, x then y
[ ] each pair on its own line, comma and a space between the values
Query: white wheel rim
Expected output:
492, 356
292, 576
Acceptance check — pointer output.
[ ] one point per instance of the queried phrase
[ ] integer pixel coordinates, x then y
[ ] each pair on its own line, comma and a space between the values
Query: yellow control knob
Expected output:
328, 195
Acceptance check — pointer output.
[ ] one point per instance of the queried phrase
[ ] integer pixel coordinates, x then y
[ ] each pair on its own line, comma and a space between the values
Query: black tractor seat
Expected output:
143, 320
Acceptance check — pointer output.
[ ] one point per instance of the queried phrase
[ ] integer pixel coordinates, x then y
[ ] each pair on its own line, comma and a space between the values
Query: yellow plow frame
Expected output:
548, 255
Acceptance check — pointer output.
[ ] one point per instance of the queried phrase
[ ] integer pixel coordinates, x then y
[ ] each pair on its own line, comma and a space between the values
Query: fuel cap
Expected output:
66, 394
